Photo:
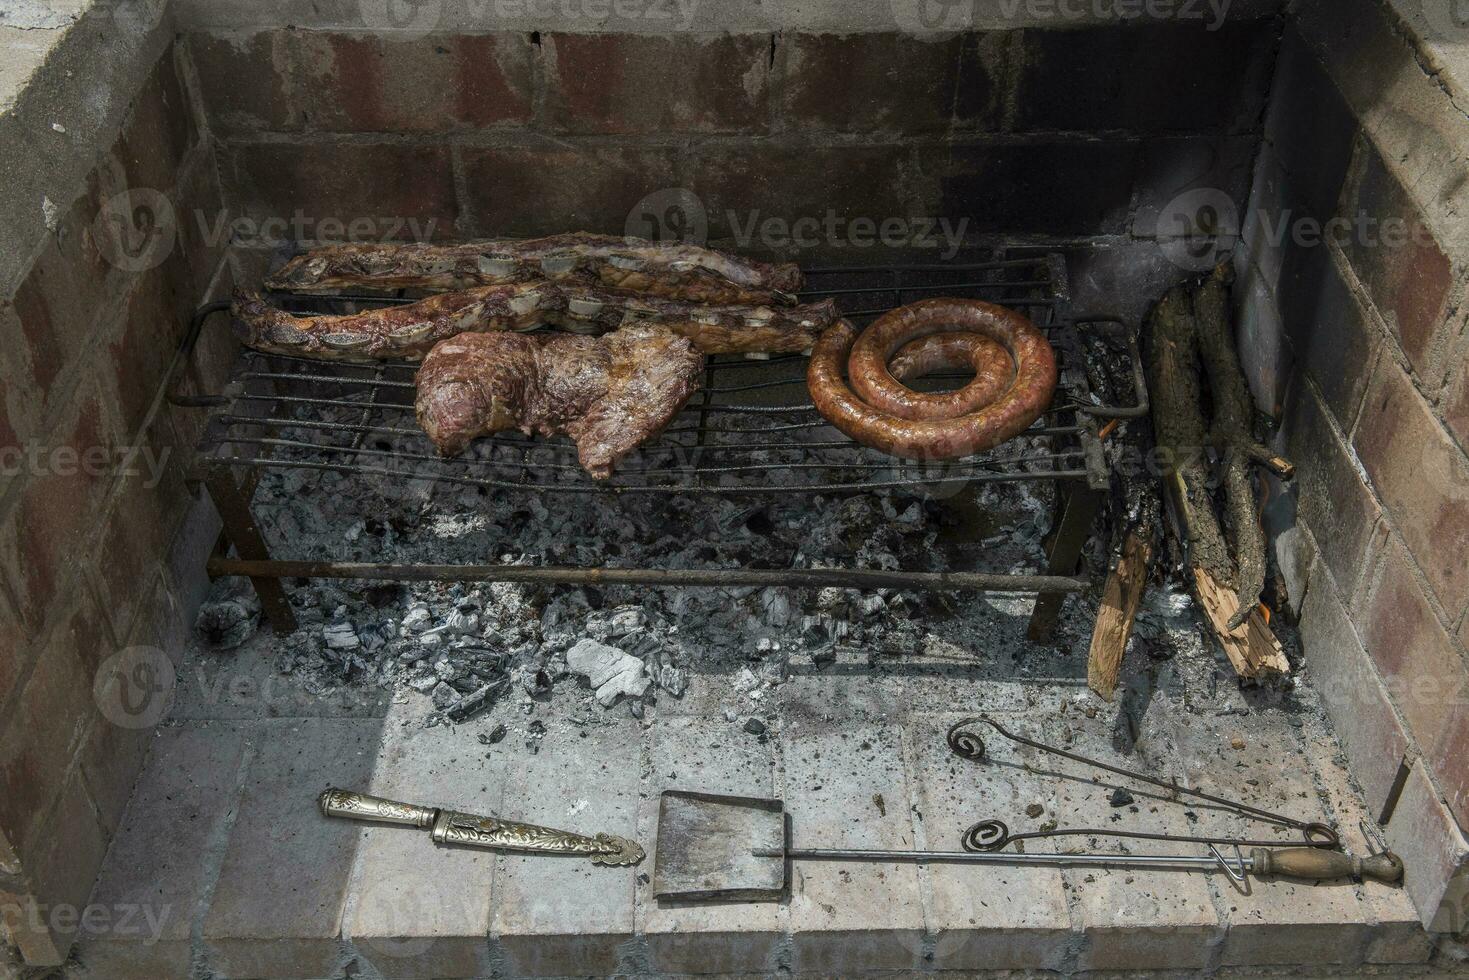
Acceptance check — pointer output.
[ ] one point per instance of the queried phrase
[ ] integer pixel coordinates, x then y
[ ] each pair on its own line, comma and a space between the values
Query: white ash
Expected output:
611, 671
453, 639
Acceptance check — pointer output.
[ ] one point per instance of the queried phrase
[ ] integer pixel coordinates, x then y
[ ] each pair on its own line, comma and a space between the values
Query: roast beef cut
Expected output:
610, 394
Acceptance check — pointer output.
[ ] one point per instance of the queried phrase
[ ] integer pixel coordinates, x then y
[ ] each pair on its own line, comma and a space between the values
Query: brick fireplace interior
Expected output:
249, 125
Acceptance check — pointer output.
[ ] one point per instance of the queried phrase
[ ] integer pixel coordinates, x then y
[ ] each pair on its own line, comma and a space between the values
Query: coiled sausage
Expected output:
1015, 376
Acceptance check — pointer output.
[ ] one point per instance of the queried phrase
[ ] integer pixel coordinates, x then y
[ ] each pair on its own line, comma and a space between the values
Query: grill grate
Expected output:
752, 430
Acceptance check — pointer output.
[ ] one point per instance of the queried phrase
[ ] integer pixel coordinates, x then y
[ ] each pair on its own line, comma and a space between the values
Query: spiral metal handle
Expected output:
964, 743
987, 835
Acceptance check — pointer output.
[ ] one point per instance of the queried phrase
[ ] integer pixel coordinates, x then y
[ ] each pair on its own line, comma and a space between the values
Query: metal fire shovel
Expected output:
736, 848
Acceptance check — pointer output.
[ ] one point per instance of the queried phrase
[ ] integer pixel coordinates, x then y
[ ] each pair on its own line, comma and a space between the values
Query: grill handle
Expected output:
1317, 864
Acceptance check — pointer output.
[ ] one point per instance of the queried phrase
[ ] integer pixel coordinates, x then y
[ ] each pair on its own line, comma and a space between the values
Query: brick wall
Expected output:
1371, 383
92, 497
231, 133
1042, 132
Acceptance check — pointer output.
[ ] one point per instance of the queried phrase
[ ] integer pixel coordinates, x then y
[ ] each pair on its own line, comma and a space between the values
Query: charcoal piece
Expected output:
230, 615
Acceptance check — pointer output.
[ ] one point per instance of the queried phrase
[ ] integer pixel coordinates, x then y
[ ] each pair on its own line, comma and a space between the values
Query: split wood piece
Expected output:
1232, 437
1251, 646
1121, 597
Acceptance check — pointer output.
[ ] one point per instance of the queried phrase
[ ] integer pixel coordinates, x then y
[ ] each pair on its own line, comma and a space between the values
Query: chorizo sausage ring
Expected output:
1015, 376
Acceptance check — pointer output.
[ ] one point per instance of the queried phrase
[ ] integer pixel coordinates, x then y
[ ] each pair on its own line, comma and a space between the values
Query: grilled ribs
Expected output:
669, 269
410, 330
610, 393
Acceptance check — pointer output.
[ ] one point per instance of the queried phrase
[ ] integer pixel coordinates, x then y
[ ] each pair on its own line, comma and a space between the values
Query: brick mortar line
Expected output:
1257, 159
533, 137
1218, 901
237, 31
782, 953
1333, 816
188, 73
777, 70
211, 862
912, 770
633, 955
465, 220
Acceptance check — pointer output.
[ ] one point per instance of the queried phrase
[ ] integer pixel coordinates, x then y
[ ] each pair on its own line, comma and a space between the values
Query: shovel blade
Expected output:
706, 844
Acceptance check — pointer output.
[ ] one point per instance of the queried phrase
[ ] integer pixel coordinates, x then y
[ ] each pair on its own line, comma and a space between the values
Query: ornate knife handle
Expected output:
360, 806
454, 827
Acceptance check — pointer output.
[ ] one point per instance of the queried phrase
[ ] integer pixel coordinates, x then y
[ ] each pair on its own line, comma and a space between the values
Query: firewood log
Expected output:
1232, 436
1173, 362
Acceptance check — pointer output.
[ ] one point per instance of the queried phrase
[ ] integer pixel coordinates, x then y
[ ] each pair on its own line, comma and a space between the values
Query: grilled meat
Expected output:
408, 331
610, 394
672, 270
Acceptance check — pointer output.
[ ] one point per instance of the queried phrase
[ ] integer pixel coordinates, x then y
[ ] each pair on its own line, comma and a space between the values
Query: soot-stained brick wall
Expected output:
1355, 255
1036, 131
97, 547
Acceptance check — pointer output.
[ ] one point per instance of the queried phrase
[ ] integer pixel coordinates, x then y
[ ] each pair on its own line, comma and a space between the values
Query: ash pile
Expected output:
469, 646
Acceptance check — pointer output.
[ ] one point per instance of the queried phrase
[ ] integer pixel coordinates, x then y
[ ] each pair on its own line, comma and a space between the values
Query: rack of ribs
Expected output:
669, 269
410, 330
610, 394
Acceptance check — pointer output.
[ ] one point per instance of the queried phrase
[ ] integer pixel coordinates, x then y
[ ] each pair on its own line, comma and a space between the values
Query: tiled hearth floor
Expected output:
225, 850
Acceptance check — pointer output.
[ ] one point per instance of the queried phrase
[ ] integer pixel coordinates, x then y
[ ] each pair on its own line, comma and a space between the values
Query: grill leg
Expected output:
240, 529
1074, 519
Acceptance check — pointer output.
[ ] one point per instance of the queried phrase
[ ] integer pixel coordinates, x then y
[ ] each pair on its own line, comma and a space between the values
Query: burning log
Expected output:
1188, 329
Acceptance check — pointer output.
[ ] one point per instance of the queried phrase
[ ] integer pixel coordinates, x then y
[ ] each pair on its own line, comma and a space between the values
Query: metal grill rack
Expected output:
751, 431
